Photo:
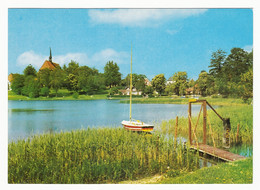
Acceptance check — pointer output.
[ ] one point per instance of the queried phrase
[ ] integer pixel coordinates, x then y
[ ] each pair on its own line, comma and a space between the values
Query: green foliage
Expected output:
29, 70
239, 172
44, 91
44, 77
72, 68
75, 95
138, 81
148, 90
247, 85
158, 83
17, 83
112, 74
217, 63
227, 72
57, 77
31, 87
94, 156
180, 83
72, 82
113, 91
205, 84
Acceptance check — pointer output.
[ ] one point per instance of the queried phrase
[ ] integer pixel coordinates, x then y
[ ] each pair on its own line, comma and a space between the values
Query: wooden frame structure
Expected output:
204, 106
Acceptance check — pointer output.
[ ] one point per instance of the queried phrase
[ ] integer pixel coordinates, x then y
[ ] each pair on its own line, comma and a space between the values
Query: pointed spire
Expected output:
50, 58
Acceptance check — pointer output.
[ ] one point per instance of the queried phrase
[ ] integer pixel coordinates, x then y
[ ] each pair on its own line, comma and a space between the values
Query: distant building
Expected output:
170, 81
10, 80
147, 82
127, 92
48, 64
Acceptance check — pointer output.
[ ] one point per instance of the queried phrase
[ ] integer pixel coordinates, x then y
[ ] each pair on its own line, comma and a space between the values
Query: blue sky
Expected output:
164, 40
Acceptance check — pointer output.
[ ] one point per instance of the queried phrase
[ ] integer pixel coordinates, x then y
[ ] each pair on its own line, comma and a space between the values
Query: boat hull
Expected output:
137, 126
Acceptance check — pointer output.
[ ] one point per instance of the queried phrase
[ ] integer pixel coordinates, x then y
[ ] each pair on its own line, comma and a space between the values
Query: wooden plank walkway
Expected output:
218, 153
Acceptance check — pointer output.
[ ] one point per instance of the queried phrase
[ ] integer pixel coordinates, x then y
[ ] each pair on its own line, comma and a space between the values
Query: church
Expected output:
48, 64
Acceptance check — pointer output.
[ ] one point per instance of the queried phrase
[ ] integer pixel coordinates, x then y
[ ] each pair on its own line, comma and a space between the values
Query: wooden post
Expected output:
226, 133
204, 122
189, 112
176, 128
237, 137
176, 133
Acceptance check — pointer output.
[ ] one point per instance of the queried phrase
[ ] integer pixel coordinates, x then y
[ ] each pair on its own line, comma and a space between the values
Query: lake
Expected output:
27, 118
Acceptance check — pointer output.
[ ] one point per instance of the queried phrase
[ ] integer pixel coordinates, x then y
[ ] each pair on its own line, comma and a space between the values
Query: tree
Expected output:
29, 70
246, 85
44, 77
44, 91
236, 64
31, 87
180, 83
202, 83
170, 89
148, 90
138, 81
72, 67
57, 78
112, 74
17, 83
205, 84
217, 62
158, 83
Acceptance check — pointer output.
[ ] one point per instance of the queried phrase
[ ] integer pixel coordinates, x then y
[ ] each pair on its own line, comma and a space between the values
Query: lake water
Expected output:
26, 118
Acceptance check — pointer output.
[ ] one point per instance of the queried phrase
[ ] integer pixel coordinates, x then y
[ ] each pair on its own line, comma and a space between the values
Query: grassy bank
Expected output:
62, 96
178, 100
242, 115
239, 172
95, 156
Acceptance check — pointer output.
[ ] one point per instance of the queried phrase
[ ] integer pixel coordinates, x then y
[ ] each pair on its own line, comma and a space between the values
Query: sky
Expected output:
163, 40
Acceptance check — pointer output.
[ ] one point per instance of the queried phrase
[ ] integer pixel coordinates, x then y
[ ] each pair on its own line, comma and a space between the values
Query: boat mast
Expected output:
131, 88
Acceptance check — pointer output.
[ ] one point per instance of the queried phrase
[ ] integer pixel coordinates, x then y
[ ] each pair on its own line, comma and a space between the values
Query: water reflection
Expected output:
35, 117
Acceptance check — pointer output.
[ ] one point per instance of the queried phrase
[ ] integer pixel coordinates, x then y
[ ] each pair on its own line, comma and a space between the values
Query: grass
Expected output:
242, 115
178, 100
238, 172
63, 95
95, 156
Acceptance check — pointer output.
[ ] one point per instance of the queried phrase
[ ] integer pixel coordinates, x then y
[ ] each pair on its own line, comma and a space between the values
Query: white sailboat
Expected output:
135, 125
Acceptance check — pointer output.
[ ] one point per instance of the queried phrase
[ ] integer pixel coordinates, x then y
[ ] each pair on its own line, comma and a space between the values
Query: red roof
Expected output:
49, 65
10, 77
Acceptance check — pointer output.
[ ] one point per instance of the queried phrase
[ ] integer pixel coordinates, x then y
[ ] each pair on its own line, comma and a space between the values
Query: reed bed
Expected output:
106, 155
241, 115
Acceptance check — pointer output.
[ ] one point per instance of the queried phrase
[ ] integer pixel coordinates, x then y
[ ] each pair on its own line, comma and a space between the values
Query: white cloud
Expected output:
248, 48
81, 58
97, 60
32, 58
106, 55
140, 17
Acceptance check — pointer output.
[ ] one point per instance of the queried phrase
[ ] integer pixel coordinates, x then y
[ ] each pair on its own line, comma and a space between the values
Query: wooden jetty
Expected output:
203, 147
217, 153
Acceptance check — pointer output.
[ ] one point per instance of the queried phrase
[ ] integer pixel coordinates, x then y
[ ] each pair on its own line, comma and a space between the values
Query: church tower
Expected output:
50, 58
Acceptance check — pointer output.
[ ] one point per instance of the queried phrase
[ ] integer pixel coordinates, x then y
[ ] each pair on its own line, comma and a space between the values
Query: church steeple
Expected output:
50, 58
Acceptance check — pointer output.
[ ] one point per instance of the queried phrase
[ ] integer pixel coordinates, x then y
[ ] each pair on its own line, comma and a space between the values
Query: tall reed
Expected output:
95, 156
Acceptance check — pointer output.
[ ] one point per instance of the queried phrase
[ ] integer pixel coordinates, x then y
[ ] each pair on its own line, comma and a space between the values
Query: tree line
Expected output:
229, 75
75, 78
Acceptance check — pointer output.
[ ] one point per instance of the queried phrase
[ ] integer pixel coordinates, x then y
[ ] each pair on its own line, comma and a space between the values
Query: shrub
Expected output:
75, 95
